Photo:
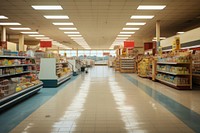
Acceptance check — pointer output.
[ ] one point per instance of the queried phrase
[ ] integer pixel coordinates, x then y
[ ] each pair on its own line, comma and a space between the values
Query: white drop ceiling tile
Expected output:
132, 3
114, 7
83, 3
84, 7
117, 3
100, 3
134, 8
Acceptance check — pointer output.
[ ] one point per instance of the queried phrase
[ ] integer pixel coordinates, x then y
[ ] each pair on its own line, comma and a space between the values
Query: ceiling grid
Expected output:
100, 21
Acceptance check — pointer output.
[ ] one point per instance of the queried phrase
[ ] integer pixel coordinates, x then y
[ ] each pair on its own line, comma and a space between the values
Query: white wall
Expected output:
11, 46
188, 36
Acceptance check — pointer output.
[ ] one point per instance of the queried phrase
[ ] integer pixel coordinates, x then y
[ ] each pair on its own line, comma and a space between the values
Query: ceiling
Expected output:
100, 21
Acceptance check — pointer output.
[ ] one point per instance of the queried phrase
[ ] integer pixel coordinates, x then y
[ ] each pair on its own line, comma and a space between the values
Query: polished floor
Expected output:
105, 101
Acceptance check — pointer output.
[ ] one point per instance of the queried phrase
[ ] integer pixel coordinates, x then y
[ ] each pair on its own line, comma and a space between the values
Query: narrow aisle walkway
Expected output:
102, 101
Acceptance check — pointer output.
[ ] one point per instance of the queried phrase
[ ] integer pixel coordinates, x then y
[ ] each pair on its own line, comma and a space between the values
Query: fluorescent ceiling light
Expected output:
130, 28
151, 7
121, 38
124, 35
29, 32
63, 23
136, 23
20, 28
142, 17
67, 28
36, 35
45, 7
41, 38
161, 38
74, 35
180, 32
127, 32
3, 17
77, 38
9, 23
56, 17
71, 32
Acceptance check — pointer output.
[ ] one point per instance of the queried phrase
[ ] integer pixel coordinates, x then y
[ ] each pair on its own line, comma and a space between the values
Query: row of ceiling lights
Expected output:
27, 31
129, 31
70, 31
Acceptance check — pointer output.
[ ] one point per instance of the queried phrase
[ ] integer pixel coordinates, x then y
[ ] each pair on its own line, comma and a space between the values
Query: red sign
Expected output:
129, 44
106, 53
45, 44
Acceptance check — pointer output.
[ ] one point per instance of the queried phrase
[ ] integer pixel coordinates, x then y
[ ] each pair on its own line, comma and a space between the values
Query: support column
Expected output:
58, 50
21, 42
3, 42
158, 34
77, 52
3, 34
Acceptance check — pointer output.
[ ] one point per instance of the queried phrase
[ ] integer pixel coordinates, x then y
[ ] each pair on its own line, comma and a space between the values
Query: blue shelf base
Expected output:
19, 96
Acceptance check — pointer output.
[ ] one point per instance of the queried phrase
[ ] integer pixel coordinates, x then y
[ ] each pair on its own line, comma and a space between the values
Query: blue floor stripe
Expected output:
189, 117
13, 116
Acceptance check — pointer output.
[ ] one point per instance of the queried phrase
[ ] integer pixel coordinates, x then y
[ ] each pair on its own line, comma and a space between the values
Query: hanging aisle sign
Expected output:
106, 53
129, 44
45, 44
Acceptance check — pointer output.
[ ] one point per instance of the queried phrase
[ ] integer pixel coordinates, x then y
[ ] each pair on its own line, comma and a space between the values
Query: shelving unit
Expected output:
175, 74
38, 56
127, 65
117, 64
55, 74
16, 79
196, 68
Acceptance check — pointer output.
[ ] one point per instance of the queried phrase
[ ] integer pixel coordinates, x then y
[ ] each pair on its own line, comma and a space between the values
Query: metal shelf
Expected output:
172, 83
173, 63
16, 97
17, 57
17, 65
172, 73
7, 75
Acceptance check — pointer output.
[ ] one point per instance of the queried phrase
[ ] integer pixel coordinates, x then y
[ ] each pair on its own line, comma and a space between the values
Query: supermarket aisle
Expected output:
103, 101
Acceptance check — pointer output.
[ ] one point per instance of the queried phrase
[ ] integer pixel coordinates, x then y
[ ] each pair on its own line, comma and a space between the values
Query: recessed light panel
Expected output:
180, 32
56, 17
74, 35
71, 32
136, 23
36, 35
9, 23
121, 38
130, 28
151, 7
60, 23
67, 28
20, 28
3, 17
29, 32
124, 35
142, 17
161, 38
127, 32
42, 38
47, 7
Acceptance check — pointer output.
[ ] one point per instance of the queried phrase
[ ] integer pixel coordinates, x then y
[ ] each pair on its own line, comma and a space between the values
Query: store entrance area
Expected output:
105, 101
